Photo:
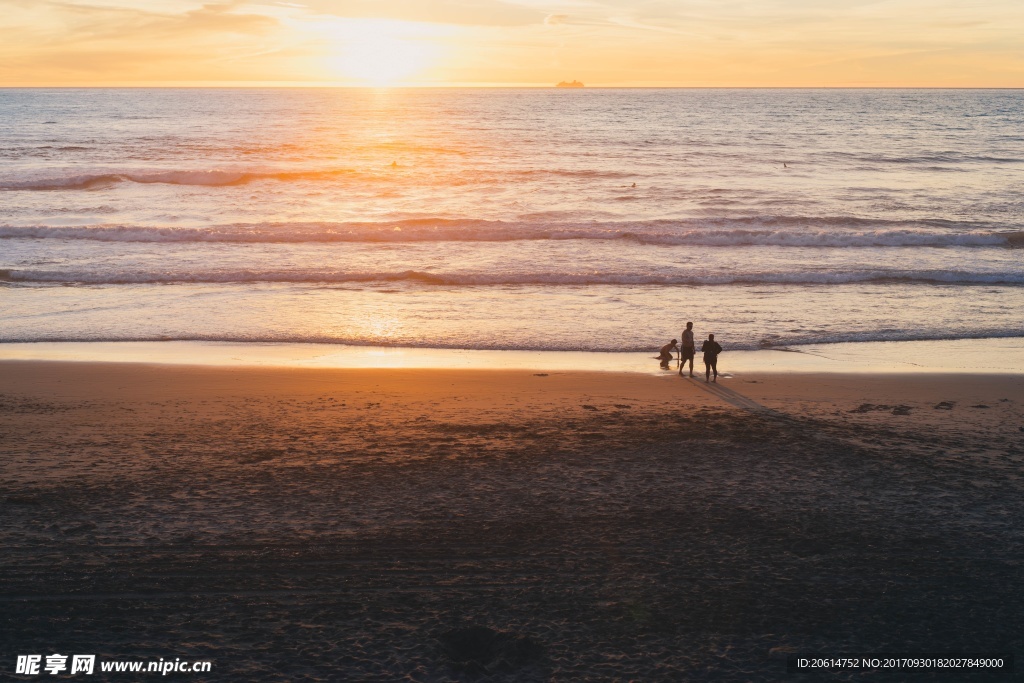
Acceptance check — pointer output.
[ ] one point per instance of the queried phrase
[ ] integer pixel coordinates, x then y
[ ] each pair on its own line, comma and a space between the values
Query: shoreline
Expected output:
995, 356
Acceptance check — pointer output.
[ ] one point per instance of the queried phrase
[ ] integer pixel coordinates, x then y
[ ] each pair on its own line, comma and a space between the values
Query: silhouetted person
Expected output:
688, 349
711, 349
666, 353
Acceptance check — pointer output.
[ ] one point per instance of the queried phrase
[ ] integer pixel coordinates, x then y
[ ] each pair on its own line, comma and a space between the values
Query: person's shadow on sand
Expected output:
736, 399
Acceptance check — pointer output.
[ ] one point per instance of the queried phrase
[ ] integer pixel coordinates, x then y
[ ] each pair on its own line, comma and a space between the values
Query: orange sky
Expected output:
930, 43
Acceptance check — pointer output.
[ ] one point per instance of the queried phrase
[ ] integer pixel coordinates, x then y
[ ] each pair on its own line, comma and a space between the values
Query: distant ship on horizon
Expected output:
567, 84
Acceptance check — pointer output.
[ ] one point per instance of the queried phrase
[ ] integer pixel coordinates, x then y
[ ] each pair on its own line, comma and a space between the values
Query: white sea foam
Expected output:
200, 178
114, 277
233, 177
595, 345
707, 232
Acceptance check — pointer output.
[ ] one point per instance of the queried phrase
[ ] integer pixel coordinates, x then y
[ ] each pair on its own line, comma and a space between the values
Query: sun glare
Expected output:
381, 53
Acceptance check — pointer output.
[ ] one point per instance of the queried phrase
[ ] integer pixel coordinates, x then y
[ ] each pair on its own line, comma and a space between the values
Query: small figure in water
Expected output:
666, 353
711, 349
687, 350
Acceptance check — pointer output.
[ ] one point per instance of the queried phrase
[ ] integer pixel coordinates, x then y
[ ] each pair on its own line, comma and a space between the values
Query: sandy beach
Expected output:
454, 525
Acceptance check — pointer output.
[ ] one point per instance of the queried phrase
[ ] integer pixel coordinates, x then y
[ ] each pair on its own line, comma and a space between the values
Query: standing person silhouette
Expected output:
687, 350
711, 349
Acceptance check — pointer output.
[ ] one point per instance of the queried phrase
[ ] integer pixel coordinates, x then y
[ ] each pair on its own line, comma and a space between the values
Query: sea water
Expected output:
596, 220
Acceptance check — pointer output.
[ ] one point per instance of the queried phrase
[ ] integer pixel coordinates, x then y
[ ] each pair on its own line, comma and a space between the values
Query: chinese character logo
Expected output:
83, 664
28, 664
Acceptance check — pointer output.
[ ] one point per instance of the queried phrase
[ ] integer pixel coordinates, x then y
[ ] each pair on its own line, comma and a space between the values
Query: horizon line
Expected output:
485, 86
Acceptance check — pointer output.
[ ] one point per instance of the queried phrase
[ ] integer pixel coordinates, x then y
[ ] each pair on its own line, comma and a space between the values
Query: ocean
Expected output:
593, 220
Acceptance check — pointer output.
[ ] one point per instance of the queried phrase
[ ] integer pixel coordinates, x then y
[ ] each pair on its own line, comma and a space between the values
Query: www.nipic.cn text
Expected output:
87, 665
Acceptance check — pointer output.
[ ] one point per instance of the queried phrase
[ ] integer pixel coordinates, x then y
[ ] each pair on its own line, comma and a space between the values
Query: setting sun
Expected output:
380, 52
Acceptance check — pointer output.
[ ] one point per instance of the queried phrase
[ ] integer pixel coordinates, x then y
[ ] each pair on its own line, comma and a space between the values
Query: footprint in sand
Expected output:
945, 405
586, 407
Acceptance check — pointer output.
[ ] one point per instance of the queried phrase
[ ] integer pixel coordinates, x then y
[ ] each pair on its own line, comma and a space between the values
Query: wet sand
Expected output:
448, 525
995, 356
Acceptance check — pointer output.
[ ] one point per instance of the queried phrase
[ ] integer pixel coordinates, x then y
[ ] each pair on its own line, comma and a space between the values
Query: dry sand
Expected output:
433, 525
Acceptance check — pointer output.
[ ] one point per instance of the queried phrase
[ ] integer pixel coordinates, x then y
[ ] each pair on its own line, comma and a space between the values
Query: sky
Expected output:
664, 43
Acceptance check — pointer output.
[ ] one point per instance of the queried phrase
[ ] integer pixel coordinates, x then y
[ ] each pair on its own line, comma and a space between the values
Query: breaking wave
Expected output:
227, 178
200, 178
455, 279
937, 157
749, 343
697, 232
214, 178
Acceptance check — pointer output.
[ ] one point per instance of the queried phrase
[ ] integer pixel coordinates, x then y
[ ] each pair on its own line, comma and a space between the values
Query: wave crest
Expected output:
526, 279
227, 178
706, 233
214, 178
735, 343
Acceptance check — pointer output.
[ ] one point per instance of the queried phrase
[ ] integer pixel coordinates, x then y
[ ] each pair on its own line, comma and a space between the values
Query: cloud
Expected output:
456, 12
219, 18
71, 42
555, 19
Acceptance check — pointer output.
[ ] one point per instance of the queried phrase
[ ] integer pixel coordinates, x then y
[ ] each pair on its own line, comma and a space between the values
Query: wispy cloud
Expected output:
457, 12
75, 40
